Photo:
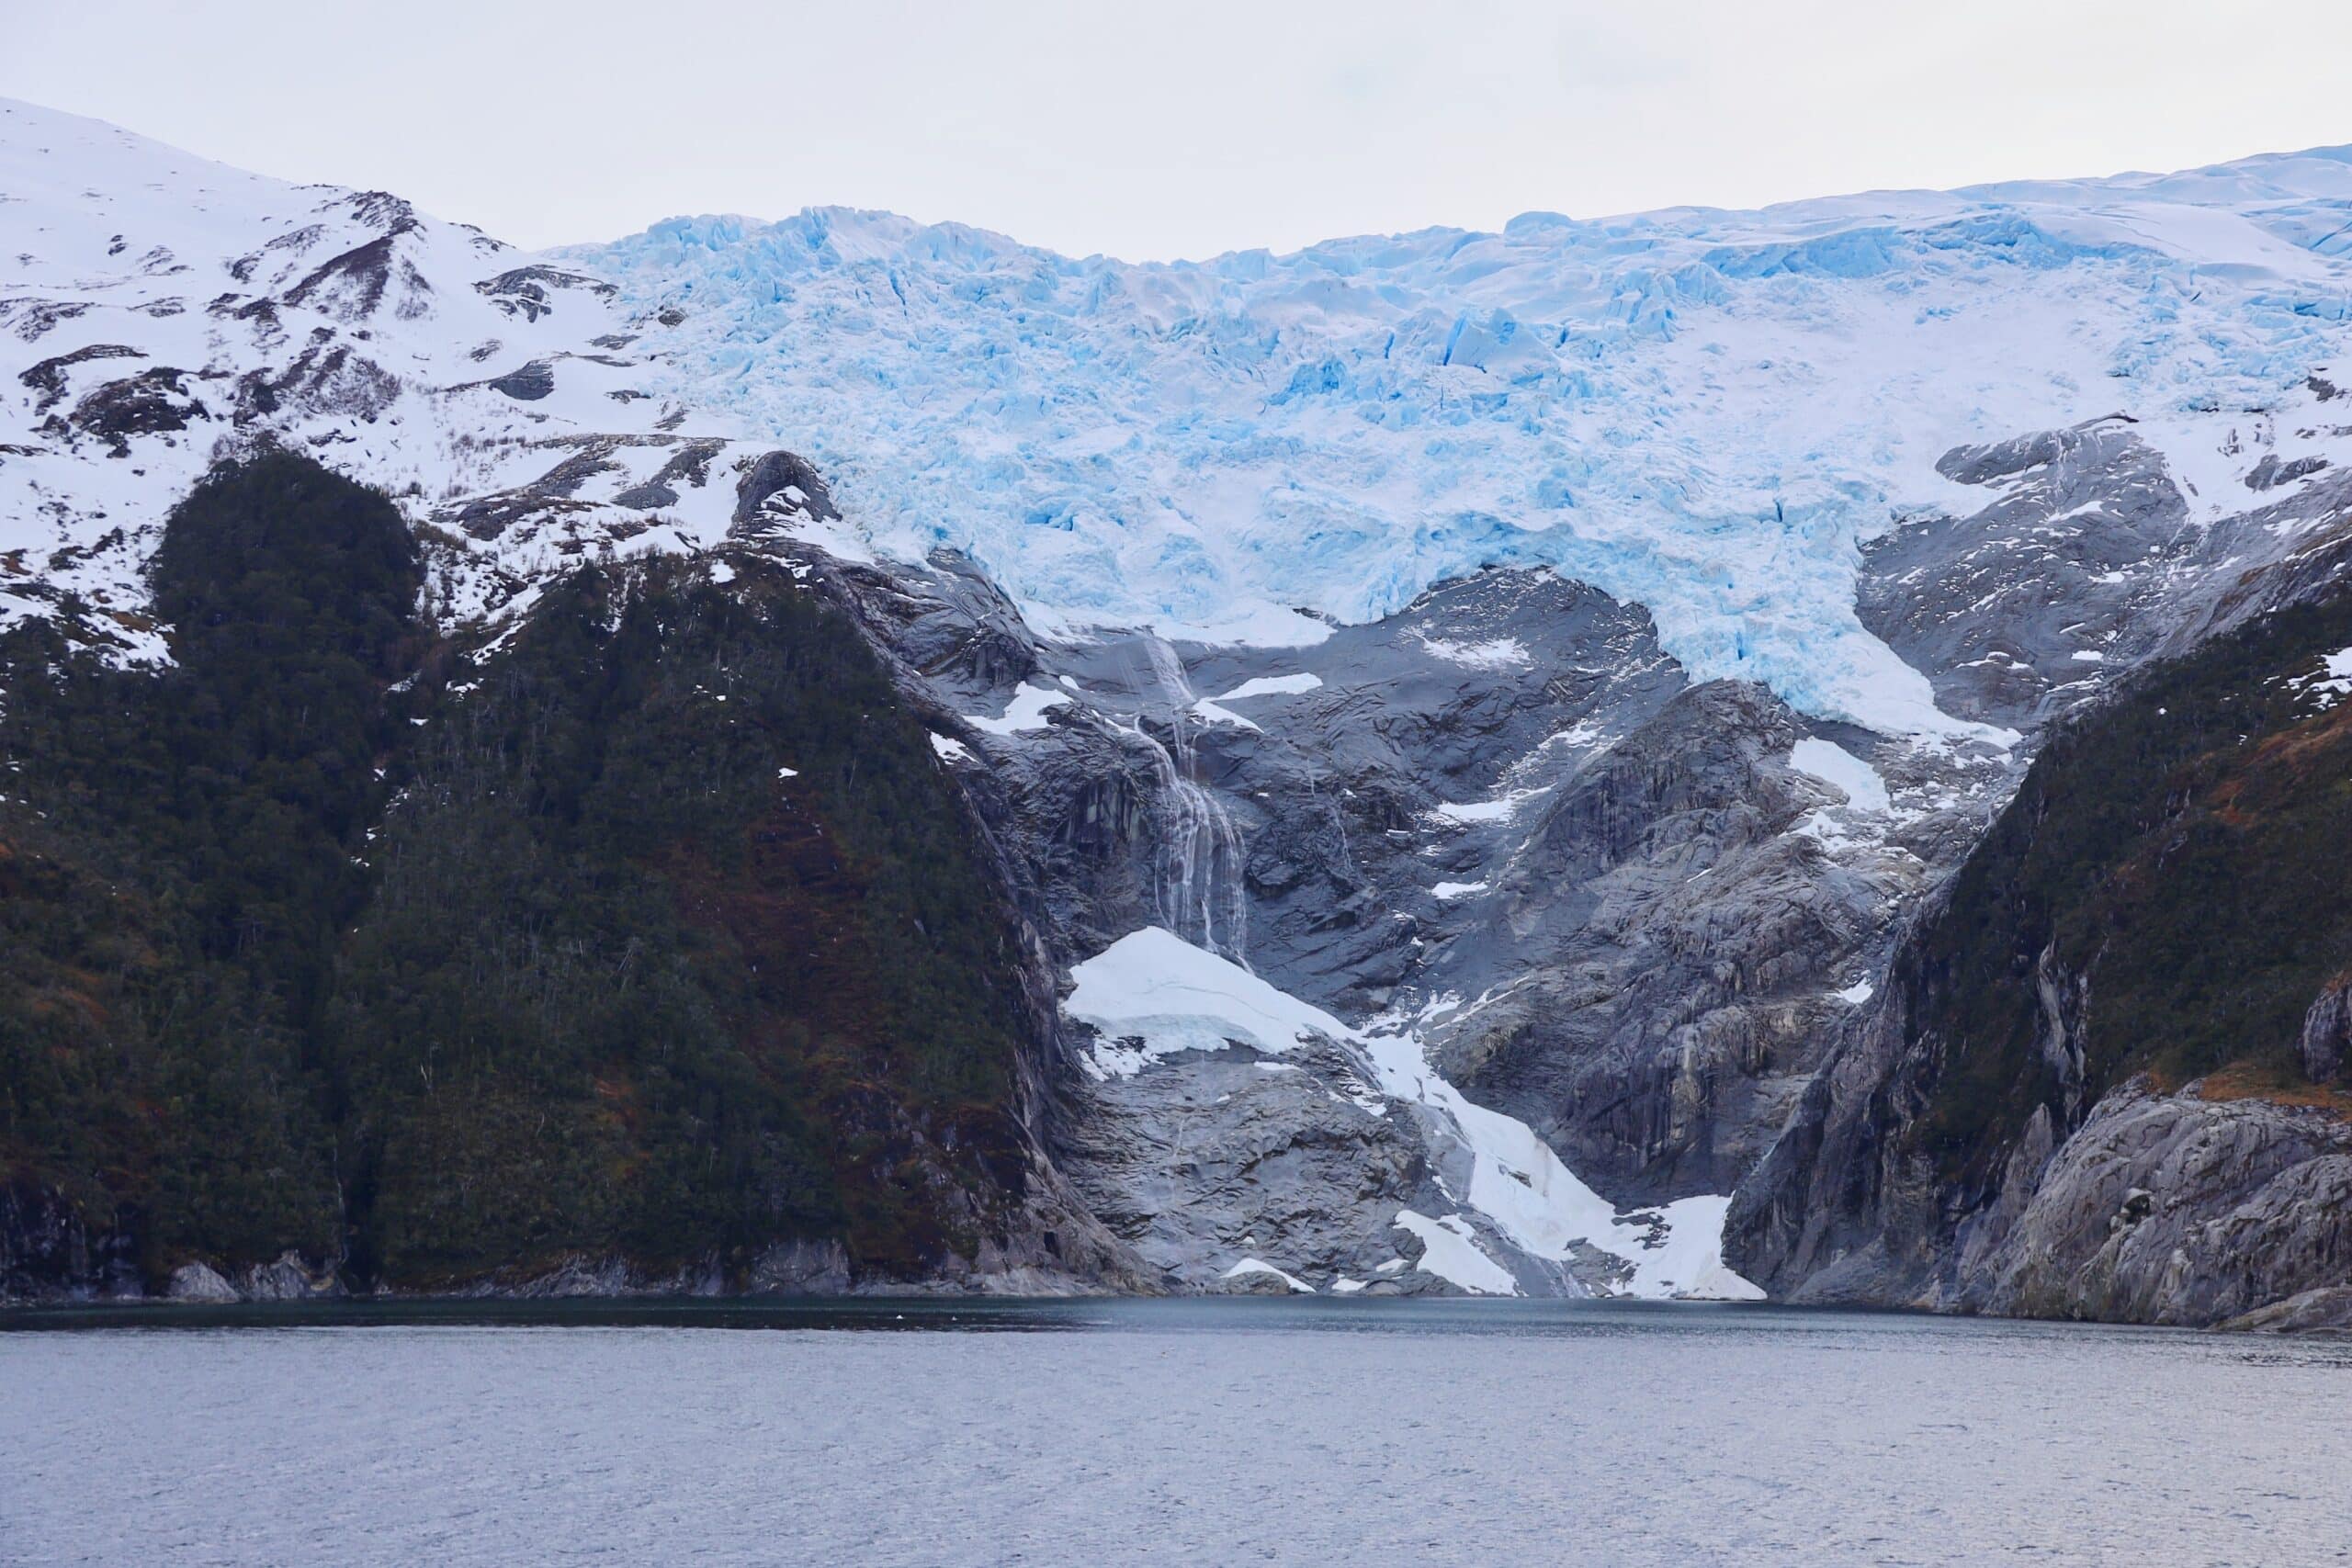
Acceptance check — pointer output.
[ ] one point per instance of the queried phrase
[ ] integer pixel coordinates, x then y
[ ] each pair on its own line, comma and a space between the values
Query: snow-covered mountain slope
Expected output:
156, 308
1701, 411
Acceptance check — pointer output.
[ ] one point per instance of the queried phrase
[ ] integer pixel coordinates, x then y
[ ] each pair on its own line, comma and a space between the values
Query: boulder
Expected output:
199, 1282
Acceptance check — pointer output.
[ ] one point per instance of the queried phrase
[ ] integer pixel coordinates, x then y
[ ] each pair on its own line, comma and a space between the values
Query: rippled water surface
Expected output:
1200, 1432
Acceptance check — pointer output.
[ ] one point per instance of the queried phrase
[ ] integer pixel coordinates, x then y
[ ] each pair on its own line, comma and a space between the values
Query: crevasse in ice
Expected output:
1704, 412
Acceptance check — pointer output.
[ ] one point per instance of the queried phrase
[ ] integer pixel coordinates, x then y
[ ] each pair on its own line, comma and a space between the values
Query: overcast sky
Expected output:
1158, 130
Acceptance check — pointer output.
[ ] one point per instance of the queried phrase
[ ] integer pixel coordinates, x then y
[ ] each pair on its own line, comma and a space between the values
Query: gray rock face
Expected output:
290, 1278
1208, 1159
2085, 561
1503, 815
2326, 1039
776, 476
47, 1255
1834, 1212
2155, 1208
2290, 550
2168, 1209
584, 1276
1418, 763
531, 291
2017, 611
1658, 951
47, 1251
2326, 1310
528, 384
800, 1269
2158, 1209
1609, 900
200, 1284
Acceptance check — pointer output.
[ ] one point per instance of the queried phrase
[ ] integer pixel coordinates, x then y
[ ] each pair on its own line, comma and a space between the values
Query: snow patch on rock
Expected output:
1860, 783
2331, 682
1249, 1266
1496, 653
1272, 687
1151, 995
1450, 1251
1026, 712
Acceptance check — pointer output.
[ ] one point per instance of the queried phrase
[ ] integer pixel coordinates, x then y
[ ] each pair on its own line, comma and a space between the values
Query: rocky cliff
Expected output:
2104, 1077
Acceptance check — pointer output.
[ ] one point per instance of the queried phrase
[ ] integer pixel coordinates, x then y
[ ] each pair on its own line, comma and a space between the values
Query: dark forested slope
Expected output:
655, 939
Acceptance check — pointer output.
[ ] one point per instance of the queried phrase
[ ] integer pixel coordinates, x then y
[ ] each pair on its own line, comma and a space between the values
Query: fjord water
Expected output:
1192, 1432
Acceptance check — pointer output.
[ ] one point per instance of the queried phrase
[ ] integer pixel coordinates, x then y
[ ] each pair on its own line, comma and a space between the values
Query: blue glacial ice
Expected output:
1702, 411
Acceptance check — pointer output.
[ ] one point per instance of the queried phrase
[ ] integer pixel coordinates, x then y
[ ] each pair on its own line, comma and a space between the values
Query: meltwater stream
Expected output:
1162, 1432
1199, 892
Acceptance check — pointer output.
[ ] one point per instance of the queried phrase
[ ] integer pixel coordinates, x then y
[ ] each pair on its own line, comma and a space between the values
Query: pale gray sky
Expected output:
1157, 130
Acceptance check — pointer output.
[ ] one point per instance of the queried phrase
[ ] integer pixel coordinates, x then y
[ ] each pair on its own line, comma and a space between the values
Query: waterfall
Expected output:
1198, 873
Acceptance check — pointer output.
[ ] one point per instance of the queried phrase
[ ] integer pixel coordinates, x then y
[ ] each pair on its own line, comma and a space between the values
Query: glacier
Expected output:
1702, 411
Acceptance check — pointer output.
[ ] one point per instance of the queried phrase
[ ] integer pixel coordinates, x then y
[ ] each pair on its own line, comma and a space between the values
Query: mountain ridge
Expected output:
1343, 427
1562, 669
2321, 157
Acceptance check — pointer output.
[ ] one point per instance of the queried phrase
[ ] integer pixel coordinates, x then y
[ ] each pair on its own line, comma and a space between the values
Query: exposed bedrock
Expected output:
1212, 1157
1503, 818
1662, 946
2103, 1075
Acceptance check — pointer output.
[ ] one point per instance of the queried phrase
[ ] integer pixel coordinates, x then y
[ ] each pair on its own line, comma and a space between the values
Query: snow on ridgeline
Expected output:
155, 306
1151, 995
1699, 412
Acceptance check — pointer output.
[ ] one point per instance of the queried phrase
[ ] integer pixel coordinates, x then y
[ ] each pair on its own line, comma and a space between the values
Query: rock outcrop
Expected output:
2168, 1209
2324, 1310
1992, 1134
2325, 1043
